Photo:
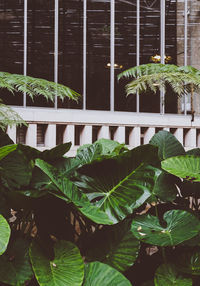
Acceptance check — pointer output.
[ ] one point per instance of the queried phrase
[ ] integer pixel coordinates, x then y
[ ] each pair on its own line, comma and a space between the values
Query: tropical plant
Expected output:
33, 87
157, 76
108, 216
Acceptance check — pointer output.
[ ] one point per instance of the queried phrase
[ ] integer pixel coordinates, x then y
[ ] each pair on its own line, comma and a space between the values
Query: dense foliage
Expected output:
109, 216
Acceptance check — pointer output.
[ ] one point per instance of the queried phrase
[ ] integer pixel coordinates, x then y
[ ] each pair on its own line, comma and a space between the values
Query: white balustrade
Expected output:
81, 127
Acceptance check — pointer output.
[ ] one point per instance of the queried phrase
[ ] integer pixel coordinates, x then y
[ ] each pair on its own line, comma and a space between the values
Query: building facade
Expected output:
84, 44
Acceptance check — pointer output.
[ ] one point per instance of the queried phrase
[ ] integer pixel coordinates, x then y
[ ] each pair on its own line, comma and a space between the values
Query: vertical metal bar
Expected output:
162, 50
56, 19
185, 46
84, 52
138, 51
25, 46
112, 54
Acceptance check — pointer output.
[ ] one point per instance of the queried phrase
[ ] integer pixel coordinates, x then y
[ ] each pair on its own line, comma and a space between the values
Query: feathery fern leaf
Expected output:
35, 86
8, 117
156, 76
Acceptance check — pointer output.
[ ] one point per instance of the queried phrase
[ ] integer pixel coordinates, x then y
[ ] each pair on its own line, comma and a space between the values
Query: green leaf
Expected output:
167, 275
16, 169
72, 193
67, 267
89, 153
15, 268
186, 167
98, 274
148, 228
189, 262
115, 246
195, 152
4, 234
117, 197
56, 152
5, 150
168, 145
111, 147
165, 188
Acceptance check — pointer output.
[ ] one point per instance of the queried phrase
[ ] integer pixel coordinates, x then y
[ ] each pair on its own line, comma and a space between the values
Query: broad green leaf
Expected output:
167, 275
101, 148
195, 152
67, 267
87, 154
56, 152
189, 262
116, 196
165, 188
99, 274
148, 228
168, 145
72, 193
15, 267
16, 169
114, 245
111, 147
186, 167
5, 150
4, 234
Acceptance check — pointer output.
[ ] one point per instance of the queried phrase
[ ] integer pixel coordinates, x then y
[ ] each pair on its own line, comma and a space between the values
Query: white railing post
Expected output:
190, 138
119, 135
50, 136
31, 135
104, 132
86, 135
135, 137
149, 134
69, 134
179, 135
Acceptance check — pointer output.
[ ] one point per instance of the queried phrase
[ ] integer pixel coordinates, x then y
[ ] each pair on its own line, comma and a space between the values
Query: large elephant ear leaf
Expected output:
67, 267
115, 246
15, 267
186, 167
4, 234
113, 194
98, 274
168, 145
148, 228
167, 274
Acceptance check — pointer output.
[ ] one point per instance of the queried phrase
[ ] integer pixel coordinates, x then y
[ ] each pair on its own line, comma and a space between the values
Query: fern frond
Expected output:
156, 76
35, 86
8, 117
178, 81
